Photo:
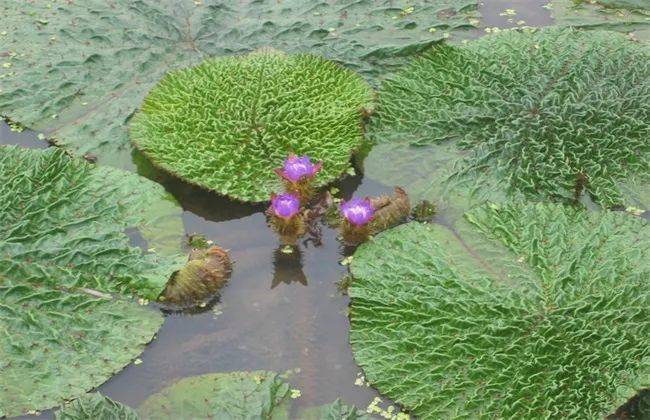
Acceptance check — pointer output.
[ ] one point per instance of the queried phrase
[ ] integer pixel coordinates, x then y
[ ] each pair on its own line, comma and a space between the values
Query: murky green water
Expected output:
278, 312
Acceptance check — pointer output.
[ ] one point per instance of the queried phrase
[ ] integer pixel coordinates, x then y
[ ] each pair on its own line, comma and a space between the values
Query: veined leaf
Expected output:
520, 114
82, 69
234, 395
516, 311
228, 123
627, 16
96, 407
65, 258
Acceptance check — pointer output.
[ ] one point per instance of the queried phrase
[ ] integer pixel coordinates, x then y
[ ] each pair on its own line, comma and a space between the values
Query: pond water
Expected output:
278, 312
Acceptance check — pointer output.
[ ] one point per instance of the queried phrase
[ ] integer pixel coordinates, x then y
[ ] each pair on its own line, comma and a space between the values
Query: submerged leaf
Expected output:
254, 111
517, 311
519, 115
234, 395
107, 55
65, 258
627, 16
334, 411
95, 406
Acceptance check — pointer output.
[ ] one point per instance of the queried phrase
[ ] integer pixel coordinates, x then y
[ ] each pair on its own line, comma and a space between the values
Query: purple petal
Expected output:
358, 211
296, 168
285, 206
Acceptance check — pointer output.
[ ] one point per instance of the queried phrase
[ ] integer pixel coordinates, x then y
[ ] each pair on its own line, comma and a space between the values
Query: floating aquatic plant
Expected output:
205, 273
254, 111
520, 114
80, 84
68, 270
371, 215
95, 406
233, 395
516, 311
357, 214
286, 217
626, 16
298, 174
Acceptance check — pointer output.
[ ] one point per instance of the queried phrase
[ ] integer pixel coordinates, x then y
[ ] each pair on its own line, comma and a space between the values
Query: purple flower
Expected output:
297, 168
358, 211
285, 206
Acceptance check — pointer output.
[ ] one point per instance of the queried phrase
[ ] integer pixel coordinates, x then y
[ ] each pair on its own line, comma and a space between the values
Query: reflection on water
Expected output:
193, 198
287, 266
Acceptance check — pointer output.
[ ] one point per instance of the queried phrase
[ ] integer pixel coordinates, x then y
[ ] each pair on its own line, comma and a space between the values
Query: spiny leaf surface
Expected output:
516, 311
227, 123
520, 114
234, 395
64, 252
78, 70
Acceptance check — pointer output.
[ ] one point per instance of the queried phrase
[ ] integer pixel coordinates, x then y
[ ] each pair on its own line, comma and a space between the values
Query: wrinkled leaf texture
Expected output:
519, 114
627, 16
95, 406
65, 262
82, 68
228, 123
227, 396
516, 311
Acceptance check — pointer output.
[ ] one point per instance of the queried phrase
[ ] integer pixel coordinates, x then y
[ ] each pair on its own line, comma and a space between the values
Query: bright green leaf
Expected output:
254, 111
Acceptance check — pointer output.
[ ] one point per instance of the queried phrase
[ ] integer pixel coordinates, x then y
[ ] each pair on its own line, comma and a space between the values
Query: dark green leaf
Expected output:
517, 311
80, 77
520, 114
64, 253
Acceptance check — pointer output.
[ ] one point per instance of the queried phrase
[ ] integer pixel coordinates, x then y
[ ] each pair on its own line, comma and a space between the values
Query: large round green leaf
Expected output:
234, 395
227, 123
78, 70
516, 311
520, 114
64, 252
